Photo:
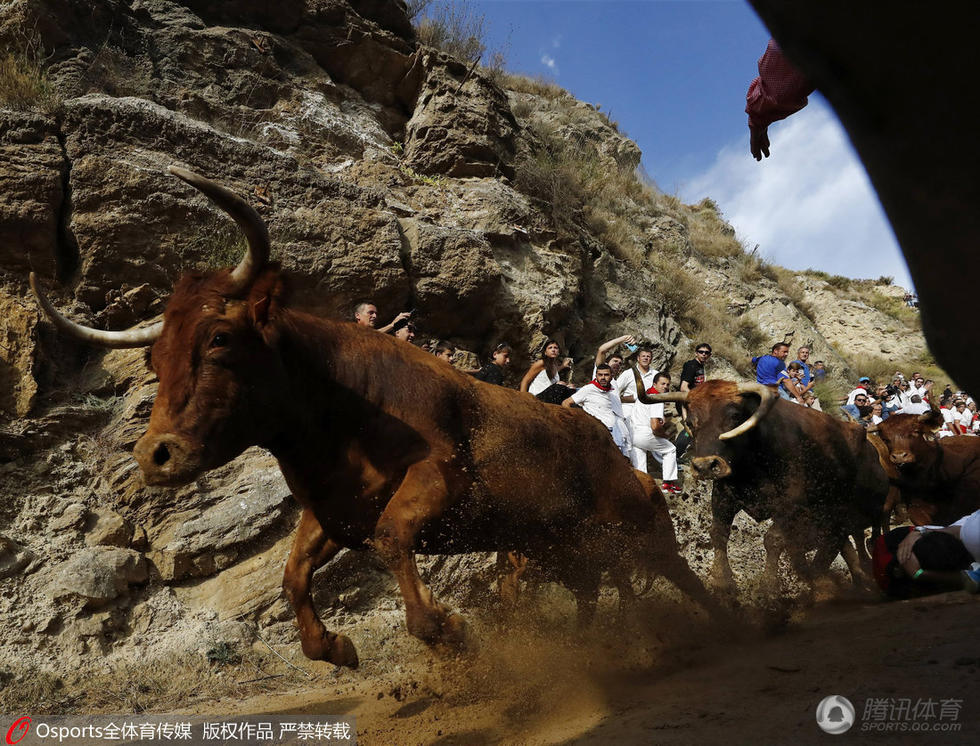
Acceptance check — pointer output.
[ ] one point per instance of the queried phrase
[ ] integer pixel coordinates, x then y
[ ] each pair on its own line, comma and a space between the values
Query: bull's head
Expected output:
718, 412
212, 353
910, 439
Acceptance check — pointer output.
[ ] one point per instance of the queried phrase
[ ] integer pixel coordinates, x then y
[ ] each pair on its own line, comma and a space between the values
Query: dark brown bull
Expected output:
384, 445
817, 477
939, 478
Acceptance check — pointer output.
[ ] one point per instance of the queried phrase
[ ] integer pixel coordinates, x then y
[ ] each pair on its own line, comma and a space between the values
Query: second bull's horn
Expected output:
242, 213
644, 398
98, 337
766, 399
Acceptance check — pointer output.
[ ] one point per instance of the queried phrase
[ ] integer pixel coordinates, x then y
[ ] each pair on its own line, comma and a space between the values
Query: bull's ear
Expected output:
264, 298
931, 420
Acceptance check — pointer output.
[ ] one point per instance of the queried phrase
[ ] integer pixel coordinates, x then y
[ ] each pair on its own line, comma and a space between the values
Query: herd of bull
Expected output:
444, 463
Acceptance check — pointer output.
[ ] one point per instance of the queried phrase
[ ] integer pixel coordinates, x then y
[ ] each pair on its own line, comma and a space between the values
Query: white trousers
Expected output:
662, 449
622, 437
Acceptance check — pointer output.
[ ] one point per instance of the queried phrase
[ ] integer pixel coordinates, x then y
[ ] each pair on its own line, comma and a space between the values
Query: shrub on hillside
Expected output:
453, 27
24, 84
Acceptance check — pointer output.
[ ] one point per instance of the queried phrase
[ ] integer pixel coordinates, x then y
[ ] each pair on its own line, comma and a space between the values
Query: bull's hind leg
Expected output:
420, 499
312, 548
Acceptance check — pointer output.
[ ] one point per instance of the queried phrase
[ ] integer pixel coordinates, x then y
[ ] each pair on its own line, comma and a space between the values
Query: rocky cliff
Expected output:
501, 209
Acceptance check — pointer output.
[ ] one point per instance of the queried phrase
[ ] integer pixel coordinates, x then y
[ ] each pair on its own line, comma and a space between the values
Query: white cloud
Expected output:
548, 61
556, 42
809, 205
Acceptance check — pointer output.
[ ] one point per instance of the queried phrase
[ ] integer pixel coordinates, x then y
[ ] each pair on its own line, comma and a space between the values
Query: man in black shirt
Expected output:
692, 373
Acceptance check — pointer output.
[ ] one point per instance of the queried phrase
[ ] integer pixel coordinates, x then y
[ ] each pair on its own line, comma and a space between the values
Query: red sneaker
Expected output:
672, 488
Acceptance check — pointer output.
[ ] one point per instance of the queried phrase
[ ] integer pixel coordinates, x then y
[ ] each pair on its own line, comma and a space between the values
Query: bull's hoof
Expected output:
342, 652
454, 631
336, 649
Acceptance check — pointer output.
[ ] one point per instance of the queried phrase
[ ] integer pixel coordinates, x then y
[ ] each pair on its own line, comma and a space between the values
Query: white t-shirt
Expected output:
626, 383
642, 414
915, 408
965, 418
603, 405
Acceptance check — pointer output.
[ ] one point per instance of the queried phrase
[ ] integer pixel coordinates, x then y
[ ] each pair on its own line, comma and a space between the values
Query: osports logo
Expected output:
18, 730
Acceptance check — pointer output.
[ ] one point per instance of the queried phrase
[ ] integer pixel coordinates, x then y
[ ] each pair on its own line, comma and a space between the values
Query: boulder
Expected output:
105, 527
96, 575
462, 124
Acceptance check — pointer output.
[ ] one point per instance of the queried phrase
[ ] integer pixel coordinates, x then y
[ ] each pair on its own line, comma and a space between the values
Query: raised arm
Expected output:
600, 356
399, 317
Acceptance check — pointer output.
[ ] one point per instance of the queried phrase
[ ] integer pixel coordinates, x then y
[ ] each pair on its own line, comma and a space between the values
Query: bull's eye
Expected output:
221, 339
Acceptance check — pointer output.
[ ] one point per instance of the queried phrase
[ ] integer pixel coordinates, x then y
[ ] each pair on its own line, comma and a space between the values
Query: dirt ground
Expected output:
675, 678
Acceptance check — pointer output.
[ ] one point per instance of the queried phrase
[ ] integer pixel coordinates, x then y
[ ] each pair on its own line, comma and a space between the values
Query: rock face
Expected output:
384, 170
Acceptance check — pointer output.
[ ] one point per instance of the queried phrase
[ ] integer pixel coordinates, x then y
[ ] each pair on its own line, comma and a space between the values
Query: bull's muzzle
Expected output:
710, 467
901, 458
167, 459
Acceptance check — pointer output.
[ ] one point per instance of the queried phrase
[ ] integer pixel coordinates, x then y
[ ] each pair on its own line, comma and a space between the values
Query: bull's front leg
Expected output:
723, 512
420, 499
312, 548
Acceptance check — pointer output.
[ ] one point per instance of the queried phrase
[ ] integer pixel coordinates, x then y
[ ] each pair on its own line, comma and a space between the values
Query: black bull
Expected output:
817, 477
385, 445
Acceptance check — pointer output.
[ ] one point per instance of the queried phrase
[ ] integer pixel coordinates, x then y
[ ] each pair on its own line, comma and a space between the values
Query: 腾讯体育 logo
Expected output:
835, 714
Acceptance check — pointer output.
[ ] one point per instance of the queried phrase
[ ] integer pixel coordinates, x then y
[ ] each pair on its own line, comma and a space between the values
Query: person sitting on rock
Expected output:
493, 372
444, 351
599, 399
541, 379
648, 422
366, 314
403, 330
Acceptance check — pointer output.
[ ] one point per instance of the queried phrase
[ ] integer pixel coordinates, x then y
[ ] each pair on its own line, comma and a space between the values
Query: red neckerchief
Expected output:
599, 386
652, 390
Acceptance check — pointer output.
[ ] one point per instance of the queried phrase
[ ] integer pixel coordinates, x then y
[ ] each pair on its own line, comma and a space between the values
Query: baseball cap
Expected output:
862, 379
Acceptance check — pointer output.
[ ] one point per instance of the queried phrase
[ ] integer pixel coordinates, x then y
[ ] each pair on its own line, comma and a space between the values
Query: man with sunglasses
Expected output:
859, 409
692, 374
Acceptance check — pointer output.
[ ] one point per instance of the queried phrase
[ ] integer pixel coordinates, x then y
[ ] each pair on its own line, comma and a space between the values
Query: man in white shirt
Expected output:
648, 435
599, 399
626, 383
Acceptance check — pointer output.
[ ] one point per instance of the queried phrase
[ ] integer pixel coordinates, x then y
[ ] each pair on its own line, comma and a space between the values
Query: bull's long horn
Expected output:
248, 220
98, 337
767, 399
644, 398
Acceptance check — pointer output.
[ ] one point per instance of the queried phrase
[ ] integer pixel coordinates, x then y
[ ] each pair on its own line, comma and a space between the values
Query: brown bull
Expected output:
384, 445
939, 478
817, 477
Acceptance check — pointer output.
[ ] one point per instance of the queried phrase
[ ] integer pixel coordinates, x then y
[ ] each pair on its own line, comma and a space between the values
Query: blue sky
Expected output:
673, 74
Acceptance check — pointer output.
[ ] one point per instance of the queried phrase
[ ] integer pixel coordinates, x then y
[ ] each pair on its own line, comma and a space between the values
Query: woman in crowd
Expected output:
541, 379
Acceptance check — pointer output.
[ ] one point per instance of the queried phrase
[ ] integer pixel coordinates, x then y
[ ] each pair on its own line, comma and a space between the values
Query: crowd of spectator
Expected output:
641, 430
871, 403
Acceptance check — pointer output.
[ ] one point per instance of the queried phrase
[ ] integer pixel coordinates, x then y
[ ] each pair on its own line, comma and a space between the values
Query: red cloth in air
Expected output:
780, 89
